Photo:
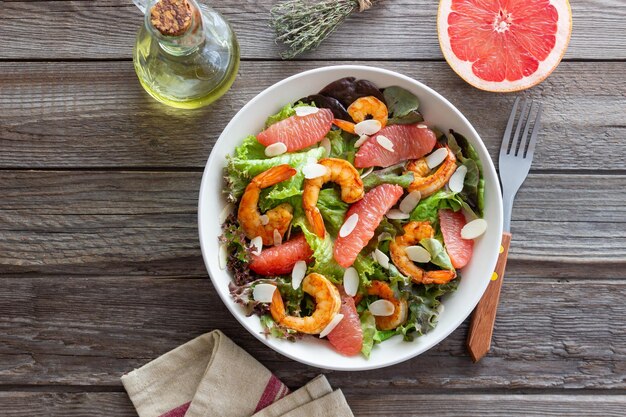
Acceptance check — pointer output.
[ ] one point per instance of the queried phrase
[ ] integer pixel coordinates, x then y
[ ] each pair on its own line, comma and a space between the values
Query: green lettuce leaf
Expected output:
438, 254
332, 208
250, 148
239, 172
400, 102
428, 208
284, 113
271, 328
368, 325
324, 263
391, 175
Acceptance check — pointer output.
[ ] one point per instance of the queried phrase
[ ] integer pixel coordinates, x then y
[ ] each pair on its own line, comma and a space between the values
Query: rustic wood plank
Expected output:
138, 223
96, 115
90, 330
96, 404
404, 29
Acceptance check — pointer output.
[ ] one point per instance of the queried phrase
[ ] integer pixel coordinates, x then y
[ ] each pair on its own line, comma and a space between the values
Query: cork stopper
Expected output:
171, 17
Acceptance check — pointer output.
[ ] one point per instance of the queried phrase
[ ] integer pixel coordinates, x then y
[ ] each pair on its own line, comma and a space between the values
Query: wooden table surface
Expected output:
100, 266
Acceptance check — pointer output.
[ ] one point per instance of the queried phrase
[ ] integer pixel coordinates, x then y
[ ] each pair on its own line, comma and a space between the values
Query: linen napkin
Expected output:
212, 376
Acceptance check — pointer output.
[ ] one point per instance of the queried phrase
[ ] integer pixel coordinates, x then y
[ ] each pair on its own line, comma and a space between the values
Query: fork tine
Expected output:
521, 151
506, 139
533, 137
518, 128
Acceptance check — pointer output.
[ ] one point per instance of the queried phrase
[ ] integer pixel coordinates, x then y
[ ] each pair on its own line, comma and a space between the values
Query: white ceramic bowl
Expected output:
437, 111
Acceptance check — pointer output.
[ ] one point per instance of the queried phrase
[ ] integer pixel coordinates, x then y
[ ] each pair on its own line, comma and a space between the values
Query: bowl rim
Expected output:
204, 185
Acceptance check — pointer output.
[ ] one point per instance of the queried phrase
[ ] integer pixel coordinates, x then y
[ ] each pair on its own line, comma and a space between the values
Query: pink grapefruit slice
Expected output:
347, 336
298, 132
505, 45
407, 142
280, 260
460, 250
370, 210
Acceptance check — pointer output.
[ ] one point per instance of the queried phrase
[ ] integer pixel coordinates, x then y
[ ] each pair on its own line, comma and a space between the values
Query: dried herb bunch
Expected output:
303, 24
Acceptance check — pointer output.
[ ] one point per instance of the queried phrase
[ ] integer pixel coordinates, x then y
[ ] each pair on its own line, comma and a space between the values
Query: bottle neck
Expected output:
184, 43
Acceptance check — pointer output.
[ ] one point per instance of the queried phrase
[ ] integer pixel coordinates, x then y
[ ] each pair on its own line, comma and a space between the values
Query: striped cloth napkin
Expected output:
212, 376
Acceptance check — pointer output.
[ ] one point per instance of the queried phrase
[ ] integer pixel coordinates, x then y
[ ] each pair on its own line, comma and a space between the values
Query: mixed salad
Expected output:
349, 217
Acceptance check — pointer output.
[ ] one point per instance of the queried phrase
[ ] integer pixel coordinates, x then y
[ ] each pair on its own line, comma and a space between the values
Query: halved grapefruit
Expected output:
279, 260
370, 209
406, 142
298, 132
505, 45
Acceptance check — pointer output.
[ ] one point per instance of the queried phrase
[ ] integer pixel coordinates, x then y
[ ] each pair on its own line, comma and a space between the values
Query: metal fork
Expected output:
516, 156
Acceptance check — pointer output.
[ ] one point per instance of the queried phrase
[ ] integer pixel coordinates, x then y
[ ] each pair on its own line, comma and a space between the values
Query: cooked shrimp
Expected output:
278, 218
344, 125
413, 233
363, 107
428, 184
343, 173
327, 304
360, 109
401, 308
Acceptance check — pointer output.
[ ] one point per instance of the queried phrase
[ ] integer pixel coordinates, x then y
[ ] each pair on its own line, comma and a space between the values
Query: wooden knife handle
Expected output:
484, 317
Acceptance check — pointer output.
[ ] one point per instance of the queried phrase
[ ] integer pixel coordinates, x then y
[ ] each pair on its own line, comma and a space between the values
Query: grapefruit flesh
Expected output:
370, 209
279, 260
505, 45
298, 132
460, 250
347, 336
409, 142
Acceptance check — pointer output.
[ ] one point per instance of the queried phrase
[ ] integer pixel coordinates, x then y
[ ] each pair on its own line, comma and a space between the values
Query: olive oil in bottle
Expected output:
186, 54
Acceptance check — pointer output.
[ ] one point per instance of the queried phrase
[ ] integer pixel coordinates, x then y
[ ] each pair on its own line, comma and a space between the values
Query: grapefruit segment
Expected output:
298, 132
347, 336
507, 45
407, 142
280, 260
460, 250
370, 210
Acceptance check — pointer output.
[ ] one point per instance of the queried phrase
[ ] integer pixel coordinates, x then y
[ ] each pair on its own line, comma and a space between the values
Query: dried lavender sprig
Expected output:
303, 24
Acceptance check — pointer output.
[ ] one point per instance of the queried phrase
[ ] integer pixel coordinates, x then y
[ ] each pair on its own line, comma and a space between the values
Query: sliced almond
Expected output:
305, 110
278, 239
367, 127
325, 143
367, 172
382, 308
314, 171
275, 149
331, 326
457, 179
351, 281
385, 142
381, 258
408, 203
441, 308
349, 225
264, 219
256, 245
474, 229
263, 293
297, 274
436, 158
226, 211
361, 140
222, 256
418, 254
395, 214
422, 126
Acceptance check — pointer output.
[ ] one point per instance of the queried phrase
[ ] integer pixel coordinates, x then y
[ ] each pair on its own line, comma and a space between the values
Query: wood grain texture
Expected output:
145, 223
484, 315
90, 330
97, 404
398, 29
96, 114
